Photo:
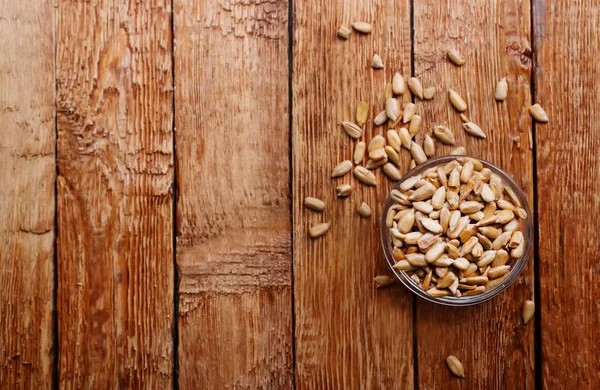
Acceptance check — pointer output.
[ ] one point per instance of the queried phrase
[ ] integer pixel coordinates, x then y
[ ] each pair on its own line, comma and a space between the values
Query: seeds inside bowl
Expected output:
460, 227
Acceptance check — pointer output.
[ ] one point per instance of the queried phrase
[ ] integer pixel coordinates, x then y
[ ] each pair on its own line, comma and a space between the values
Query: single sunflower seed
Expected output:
415, 125
409, 110
538, 113
398, 84
318, 230
359, 152
474, 130
392, 172
405, 138
365, 176
455, 366
362, 111
352, 129
380, 118
457, 101
377, 62
342, 168
382, 281
344, 32
314, 203
444, 134
528, 310
428, 146
392, 108
392, 155
363, 27
393, 140
501, 90
455, 57
418, 154
374, 164
415, 87
429, 93
464, 118
344, 190
364, 210
460, 151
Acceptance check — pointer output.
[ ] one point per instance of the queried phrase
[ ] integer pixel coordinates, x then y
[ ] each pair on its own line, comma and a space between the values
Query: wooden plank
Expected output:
566, 84
348, 334
233, 213
115, 222
490, 340
27, 177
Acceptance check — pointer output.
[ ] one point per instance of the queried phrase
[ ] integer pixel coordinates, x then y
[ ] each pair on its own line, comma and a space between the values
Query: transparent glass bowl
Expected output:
516, 267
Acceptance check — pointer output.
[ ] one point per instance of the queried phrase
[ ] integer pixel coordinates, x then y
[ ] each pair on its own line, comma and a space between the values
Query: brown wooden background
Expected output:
153, 160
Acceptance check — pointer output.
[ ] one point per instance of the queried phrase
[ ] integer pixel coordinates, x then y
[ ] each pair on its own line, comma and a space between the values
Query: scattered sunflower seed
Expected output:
359, 152
455, 366
409, 110
415, 125
353, 130
398, 84
460, 151
473, 129
380, 118
429, 93
528, 310
538, 113
377, 62
344, 190
405, 138
318, 230
501, 90
415, 87
364, 210
344, 32
455, 57
457, 101
362, 27
314, 203
418, 154
464, 118
428, 146
392, 172
365, 176
362, 111
382, 281
392, 109
444, 134
342, 168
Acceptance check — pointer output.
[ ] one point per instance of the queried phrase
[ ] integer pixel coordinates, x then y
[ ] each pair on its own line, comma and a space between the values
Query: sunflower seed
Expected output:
407, 221
487, 194
423, 193
474, 130
435, 252
496, 272
392, 155
398, 84
352, 130
455, 57
423, 207
538, 113
380, 118
314, 203
362, 27
342, 168
515, 239
374, 164
409, 110
443, 262
377, 62
429, 93
521, 213
504, 216
456, 100
484, 241
461, 263
475, 280
444, 134
362, 111
460, 151
437, 293
409, 183
377, 154
404, 265
318, 230
344, 190
432, 225
415, 87
476, 291
416, 259
447, 280
428, 146
517, 253
528, 310
501, 90
392, 172
464, 118
466, 173
399, 197
489, 209
500, 259
413, 163
427, 240
412, 238
418, 154
452, 361
454, 179
382, 281
359, 152
344, 32
486, 259
511, 226
415, 125
438, 198
392, 108
405, 138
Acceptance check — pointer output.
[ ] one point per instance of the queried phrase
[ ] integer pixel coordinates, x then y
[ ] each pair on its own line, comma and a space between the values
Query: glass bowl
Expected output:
516, 267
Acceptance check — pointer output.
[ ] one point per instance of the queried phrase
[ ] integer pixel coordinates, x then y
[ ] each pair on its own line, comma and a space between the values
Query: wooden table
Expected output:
153, 161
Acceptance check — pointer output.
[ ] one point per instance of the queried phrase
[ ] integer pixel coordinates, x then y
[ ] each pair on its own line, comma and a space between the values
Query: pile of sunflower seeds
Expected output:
456, 228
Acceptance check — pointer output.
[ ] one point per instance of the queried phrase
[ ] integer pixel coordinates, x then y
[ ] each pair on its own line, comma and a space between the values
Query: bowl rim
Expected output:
518, 266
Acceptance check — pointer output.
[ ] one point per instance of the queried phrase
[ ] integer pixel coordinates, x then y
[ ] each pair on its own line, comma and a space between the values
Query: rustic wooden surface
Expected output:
233, 208
115, 164
566, 84
496, 349
27, 177
159, 212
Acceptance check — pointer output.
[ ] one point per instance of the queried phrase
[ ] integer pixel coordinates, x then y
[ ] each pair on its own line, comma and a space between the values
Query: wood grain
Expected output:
348, 334
115, 161
27, 176
233, 213
490, 340
566, 85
